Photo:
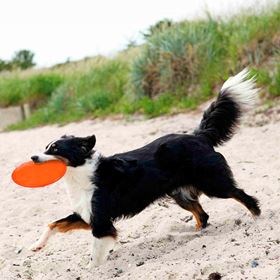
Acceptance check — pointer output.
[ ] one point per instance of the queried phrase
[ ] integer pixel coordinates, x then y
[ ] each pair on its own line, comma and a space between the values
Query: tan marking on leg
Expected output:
193, 206
59, 226
196, 209
252, 210
66, 226
198, 225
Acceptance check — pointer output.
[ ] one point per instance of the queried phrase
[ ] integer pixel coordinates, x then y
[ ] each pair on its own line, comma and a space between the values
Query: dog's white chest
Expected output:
80, 189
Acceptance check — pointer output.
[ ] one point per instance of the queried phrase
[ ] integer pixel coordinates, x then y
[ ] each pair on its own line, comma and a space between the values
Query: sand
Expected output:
161, 242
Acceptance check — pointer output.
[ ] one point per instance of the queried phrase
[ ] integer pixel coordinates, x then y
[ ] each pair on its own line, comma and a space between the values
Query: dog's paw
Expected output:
37, 246
90, 266
95, 262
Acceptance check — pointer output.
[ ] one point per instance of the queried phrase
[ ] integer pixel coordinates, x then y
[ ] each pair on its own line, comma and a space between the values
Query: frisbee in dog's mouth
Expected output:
36, 175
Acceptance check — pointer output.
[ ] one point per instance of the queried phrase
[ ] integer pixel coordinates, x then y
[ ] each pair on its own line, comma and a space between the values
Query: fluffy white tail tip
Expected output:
242, 89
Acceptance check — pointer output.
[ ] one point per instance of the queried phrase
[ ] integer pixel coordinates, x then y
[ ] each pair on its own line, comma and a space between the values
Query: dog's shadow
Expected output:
162, 244
154, 246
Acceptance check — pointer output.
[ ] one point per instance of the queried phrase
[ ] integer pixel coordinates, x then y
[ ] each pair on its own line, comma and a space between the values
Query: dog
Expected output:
181, 166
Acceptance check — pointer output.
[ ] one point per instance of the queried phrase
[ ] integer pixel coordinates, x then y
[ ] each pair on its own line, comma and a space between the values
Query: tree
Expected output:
5, 65
2, 64
23, 59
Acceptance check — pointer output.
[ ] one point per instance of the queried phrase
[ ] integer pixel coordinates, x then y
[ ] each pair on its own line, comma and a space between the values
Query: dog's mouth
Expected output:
65, 160
44, 158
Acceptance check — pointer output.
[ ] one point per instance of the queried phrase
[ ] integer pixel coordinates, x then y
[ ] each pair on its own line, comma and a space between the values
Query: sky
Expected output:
56, 30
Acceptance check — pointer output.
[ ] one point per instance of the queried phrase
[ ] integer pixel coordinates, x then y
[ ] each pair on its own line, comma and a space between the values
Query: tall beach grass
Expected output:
176, 68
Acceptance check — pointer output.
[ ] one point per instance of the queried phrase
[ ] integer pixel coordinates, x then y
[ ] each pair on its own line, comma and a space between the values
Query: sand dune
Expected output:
161, 242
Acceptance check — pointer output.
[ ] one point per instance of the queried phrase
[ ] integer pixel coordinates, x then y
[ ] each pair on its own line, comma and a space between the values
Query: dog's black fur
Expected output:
129, 182
178, 165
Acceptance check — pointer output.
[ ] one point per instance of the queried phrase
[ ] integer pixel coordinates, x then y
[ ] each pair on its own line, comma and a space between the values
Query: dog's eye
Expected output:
55, 149
84, 149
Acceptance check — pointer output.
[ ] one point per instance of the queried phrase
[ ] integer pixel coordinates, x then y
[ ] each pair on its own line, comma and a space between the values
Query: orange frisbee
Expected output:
36, 175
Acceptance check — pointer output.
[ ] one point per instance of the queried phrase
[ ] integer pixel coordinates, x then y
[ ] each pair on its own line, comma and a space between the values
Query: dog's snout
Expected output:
35, 158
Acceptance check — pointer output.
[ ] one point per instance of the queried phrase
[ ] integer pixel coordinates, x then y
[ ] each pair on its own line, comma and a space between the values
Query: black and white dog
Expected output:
104, 189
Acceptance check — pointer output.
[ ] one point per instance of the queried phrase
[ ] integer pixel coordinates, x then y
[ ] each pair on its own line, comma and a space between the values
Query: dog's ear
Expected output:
90, 141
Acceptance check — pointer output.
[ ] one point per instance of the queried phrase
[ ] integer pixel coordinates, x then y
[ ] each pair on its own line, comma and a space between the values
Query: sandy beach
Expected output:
161, 242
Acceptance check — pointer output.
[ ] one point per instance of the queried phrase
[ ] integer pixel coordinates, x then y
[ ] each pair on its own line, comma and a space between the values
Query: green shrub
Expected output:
262, 76
33, 89
158, 106
193, 57
178, 58
11, 91
94, 93
274, 88
177, 68
40, 87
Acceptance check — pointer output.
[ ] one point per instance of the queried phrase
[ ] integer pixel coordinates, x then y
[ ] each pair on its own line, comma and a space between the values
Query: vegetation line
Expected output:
179, 66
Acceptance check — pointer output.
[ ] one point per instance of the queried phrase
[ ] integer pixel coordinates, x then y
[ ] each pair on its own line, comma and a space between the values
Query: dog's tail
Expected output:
223, 116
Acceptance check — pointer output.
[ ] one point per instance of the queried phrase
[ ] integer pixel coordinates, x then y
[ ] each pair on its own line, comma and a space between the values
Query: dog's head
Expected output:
72, 150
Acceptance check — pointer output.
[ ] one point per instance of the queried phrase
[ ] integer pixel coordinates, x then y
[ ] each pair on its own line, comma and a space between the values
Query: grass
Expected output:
91, 94
35, 89
176, 69
274, 87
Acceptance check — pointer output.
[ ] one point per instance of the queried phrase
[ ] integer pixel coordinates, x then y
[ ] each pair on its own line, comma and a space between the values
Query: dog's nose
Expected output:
35, 158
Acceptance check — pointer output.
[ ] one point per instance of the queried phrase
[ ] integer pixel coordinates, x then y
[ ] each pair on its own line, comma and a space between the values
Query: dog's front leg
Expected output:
42, 241
101, 249
103, 230
71, 222
104, 240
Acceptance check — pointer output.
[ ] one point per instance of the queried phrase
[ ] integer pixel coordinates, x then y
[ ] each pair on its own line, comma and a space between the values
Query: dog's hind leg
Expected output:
191, 204
216, 180
248, 201
71, 222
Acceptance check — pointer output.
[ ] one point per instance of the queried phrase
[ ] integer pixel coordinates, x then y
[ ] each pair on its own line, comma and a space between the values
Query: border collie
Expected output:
104, 189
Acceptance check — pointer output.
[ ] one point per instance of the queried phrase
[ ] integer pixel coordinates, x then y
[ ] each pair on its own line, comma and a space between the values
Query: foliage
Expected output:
5, 66
191, 58
36, 89
158, 27
180, 65
23, 59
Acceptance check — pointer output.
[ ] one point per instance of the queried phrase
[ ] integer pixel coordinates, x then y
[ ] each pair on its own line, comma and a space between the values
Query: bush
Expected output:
40, 87
274, 88
11, 91
178, 57
191, 58
84, 95
34, 89
179, 66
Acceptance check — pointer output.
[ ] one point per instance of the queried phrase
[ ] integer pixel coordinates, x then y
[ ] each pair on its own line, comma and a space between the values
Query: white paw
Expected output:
95, 262
37, 246
101, 248
42, 241
90, 266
